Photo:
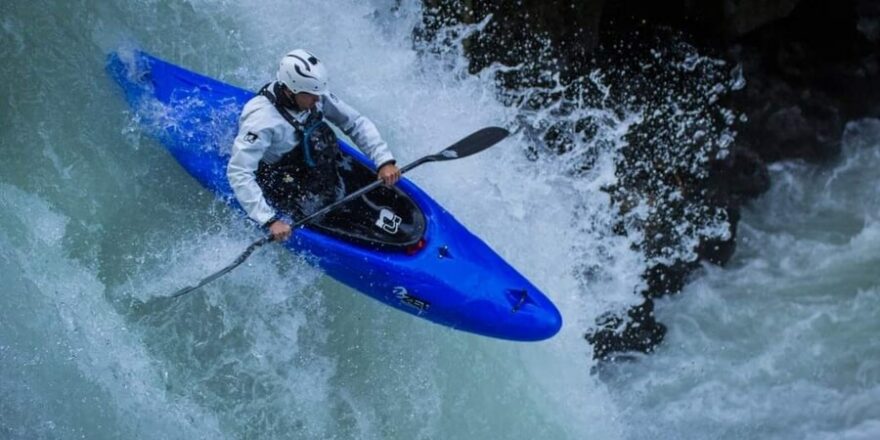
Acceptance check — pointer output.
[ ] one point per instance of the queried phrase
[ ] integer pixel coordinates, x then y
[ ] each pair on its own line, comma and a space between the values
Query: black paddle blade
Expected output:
472, 144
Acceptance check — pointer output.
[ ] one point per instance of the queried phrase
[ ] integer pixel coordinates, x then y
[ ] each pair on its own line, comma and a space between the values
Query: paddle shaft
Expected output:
353, 195
474, 143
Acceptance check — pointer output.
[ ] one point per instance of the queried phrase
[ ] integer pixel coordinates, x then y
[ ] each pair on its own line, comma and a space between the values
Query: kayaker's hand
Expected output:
389, 174
279, 230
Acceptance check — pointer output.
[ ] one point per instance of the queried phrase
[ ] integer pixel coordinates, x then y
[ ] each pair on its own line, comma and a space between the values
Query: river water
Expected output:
96, 217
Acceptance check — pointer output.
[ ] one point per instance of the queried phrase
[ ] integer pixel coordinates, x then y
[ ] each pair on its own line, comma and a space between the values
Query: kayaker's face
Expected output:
303, 100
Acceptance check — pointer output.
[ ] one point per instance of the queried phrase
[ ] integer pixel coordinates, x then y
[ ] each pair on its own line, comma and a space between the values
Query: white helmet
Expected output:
301, 71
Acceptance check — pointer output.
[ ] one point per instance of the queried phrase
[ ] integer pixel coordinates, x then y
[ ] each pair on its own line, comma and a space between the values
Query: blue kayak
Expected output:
433, 267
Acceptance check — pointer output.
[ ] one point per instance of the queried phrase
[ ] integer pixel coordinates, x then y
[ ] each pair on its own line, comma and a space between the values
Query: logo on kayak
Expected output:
406, 298
388, 221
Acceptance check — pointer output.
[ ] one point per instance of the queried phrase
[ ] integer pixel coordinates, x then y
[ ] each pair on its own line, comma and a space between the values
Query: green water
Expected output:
96, 216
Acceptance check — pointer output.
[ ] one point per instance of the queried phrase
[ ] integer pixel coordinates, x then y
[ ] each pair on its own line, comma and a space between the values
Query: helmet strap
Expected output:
283, 100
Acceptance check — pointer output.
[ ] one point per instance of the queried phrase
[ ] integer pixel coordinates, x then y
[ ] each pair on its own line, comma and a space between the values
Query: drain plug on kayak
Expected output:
443, 252
517, 297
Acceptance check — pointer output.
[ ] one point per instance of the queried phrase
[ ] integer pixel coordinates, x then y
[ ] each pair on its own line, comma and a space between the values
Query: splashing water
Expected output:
98, 222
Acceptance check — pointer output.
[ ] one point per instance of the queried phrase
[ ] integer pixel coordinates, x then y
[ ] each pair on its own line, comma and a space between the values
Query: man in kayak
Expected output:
284, 158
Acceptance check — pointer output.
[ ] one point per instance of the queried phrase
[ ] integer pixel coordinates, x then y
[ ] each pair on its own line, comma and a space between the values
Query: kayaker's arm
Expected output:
248, 149
359, 128
388, 173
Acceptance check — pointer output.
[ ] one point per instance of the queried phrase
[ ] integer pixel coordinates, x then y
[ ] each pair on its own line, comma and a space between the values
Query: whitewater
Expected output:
95, 218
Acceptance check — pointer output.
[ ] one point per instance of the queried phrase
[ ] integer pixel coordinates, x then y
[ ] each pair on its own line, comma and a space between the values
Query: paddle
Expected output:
472, 144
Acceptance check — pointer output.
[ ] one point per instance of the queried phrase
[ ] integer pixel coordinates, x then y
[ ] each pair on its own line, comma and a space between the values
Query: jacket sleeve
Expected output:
247, 151
360, 129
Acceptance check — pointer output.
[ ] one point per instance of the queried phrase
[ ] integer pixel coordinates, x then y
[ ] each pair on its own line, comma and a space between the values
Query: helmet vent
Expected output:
303, 73
309, 68
518, 298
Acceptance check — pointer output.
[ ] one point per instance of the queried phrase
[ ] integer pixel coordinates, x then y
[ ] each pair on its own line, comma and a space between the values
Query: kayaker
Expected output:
284, 158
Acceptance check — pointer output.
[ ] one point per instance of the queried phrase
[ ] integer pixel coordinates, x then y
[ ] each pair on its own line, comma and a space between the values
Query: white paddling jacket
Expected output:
264, 135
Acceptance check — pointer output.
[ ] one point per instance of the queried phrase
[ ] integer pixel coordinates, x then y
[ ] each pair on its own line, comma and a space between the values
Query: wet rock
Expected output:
638, 331
666, 279
520, 29
740, 176
743, 16
785, 123
868, 24
719, 251
809, 73
808, 66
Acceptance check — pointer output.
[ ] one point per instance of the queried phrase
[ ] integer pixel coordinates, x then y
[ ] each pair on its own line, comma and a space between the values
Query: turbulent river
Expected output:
95, 217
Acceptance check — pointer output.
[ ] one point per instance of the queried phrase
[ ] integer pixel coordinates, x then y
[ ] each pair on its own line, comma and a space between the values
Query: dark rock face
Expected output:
868, 12
744, 16
808, 67
809, 73
639, 331
519, 29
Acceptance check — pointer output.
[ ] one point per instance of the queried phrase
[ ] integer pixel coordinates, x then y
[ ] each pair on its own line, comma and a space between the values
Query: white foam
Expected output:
96, 339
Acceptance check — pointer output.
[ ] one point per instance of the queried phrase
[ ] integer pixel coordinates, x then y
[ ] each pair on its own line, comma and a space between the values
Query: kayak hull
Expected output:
455, 280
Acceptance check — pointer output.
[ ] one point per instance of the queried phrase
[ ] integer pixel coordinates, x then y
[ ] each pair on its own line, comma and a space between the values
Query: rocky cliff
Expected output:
732, 85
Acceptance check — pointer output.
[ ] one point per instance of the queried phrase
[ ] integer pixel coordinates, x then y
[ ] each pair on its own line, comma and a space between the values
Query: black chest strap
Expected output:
304, 131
